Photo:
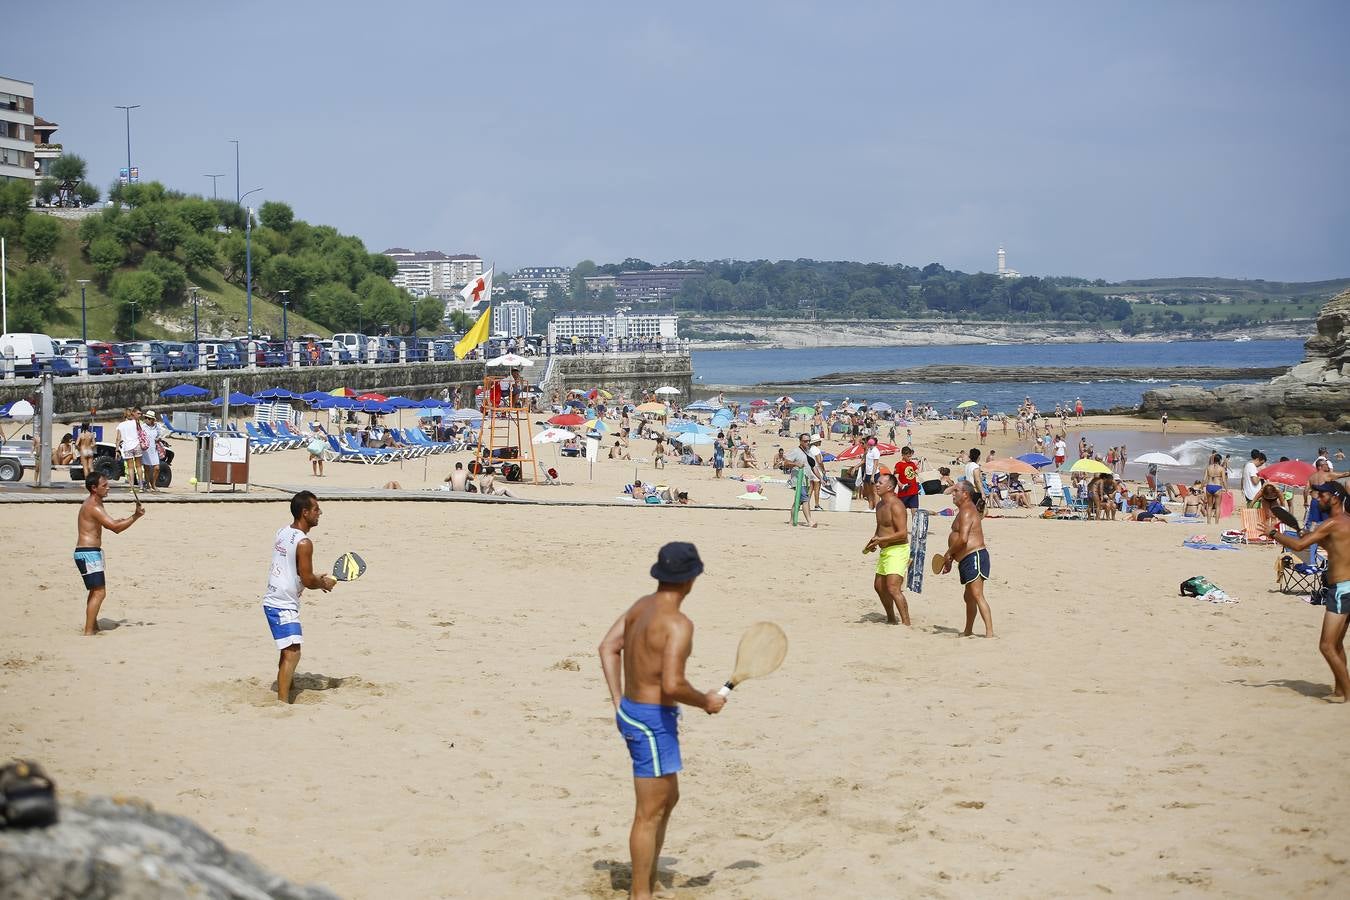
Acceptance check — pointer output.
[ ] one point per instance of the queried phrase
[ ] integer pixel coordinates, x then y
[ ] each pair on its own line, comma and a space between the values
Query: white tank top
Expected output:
283, 582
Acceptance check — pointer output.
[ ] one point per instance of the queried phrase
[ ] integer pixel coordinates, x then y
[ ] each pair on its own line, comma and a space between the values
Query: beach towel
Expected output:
1202, 545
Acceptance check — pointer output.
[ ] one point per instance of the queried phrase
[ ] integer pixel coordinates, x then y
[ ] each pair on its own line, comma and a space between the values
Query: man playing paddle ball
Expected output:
292, 571
643, 658
966, 543
1332, 534
892, 539
93, 518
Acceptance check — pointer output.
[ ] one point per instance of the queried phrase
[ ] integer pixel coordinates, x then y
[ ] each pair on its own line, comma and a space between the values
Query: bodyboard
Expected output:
918, 550
1225, 504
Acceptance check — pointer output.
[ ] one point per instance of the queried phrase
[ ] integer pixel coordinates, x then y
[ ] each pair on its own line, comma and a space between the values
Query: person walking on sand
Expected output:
643, 657
797, 459
871, 471
1333, 535
1215, 477
291, 571
892, 539
84, 446
129, 444
965, 546
89, 525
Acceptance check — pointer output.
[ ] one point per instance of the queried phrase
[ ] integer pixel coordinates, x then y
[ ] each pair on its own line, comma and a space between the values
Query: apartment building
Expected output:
536, 280
622, 325
16, 130
653, 285
432, 273
512, 318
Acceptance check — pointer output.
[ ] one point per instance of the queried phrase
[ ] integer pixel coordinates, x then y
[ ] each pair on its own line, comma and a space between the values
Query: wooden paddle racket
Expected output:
349, 567
760, 652
938, 562
1287, 518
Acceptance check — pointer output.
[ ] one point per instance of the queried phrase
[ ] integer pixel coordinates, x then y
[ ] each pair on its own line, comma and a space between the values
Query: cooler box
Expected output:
843, 498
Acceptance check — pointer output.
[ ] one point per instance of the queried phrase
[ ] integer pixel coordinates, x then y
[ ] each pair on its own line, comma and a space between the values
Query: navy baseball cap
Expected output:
1330, 487
677, 562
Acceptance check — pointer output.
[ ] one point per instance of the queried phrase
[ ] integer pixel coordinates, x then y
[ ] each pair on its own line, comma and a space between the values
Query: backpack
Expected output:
1197, 586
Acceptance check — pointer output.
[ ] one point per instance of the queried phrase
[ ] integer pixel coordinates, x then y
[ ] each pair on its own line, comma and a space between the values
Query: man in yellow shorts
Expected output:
892, 539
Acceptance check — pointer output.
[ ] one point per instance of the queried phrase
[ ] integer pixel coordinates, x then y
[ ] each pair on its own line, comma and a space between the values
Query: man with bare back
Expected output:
643, 657
965, 547
93, 518
892, 539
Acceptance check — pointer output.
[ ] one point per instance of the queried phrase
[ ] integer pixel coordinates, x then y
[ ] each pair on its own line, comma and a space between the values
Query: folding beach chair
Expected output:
1300, 576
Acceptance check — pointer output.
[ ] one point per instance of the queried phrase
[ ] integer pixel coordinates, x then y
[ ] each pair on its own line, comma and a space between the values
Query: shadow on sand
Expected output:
310, 681
1298, 686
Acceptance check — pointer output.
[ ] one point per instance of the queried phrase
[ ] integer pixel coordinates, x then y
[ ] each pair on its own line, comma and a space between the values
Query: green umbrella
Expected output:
964, 403
804, 411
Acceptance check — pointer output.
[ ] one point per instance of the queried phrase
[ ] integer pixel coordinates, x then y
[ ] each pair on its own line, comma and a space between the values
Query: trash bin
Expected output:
202, 470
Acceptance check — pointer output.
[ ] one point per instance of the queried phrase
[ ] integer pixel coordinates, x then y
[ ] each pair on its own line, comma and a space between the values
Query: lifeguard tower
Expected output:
505, 405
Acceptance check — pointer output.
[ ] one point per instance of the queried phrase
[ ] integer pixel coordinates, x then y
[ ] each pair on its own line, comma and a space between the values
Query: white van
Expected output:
355, 343
31, 354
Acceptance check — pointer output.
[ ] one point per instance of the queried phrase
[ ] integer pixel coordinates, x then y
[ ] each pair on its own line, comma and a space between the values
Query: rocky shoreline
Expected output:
939, 374
1313, 396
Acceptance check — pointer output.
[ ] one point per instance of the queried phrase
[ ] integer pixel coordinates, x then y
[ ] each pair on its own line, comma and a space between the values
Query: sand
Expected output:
453, 736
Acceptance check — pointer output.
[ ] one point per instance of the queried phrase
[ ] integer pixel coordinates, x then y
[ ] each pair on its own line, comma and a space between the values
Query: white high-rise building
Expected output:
1003, 270
621, 325
512, 318
431, 272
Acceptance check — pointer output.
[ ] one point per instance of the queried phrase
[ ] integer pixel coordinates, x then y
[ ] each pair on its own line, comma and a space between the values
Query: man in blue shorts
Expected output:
1333, 535
89, 525
643, 657
965, 548
291, 571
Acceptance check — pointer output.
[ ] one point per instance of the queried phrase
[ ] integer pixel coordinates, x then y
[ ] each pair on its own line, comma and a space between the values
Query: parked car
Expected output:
339, 352
146, 355
182, 356
33, 355
313, 350
419, 349
112, 361
220, 354
265, 354
354, 343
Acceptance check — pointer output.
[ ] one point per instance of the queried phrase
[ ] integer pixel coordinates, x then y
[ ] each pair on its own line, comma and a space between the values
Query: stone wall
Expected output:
1313, 396
632, 373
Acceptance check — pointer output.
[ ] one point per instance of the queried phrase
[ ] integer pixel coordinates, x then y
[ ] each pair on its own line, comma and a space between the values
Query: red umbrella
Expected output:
887, 449
371, 395
567, 419
759, 403
854, 451
1292, 472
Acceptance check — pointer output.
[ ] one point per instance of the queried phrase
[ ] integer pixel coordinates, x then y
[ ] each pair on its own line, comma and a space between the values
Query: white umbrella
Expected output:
21, 409
1157, 459
509, 359
553, 436
667, 390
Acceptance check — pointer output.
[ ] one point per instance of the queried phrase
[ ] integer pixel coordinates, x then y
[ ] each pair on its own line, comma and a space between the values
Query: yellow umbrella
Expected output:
965, 403
1090, 465
651, 407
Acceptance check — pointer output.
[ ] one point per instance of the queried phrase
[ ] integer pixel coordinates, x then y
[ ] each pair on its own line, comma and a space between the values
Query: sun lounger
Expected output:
1252, 528
290, 443
345, 454
260, 442
1071, 503
376, 454
417, 438
175, 432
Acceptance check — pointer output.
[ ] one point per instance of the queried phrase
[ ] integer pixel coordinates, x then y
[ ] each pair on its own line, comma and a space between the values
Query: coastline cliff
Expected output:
1313, 396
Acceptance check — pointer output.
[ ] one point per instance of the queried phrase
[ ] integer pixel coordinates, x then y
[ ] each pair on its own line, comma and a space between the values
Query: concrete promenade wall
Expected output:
110, 394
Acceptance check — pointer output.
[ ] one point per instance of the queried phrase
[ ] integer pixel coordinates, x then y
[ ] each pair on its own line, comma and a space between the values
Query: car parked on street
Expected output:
112, 361
146, 356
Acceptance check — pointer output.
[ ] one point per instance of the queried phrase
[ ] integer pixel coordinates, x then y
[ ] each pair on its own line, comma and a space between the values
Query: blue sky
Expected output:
1116, 141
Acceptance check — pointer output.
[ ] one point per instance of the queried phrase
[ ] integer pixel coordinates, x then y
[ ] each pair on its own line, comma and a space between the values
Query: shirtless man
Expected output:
1315, 510
1216, 478
84, 447
93, 518
643, 657
291, 571
1333, 535
458, 478
892, 539
965, 545
1099, 497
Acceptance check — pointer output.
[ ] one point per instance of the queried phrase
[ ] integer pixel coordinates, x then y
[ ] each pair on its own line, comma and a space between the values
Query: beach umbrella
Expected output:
691, 438
967, 403
402, 403
804, 411
828, 457
1088, 465
19, 409
1291, 472
756, 404
184, 390
853, 451
597, 425
553, 436
276, 393
596, 393
315, 396
1157, 459
882, 406
566, 419
650, 407
1036, 459
238, 399
342, 392
1010, 465
509, 359
667, 390
431, 403
785, 399
465, 415
371, 395
703, 406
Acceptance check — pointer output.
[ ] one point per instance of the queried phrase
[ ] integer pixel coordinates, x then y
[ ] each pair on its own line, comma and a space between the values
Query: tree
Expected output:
173, 276
32, 298
14, 199
140, 289
459, 321
40, 237
199, 252
68, 171
47, 189
275, 215
87, 193
106, 253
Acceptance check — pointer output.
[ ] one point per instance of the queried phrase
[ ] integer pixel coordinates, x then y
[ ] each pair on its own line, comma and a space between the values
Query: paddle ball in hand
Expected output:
760, 652
1286, 517
349, 567
939, 561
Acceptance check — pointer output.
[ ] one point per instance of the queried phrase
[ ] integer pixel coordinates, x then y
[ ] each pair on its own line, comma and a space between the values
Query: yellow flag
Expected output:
476, 335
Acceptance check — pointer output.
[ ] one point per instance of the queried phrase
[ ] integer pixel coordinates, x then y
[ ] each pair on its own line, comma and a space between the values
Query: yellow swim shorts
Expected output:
893, 560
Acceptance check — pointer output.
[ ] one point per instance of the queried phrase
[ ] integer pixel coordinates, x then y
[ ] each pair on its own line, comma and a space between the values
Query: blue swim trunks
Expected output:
974, 565
89, 563
285, 625
1338, 598
653, 735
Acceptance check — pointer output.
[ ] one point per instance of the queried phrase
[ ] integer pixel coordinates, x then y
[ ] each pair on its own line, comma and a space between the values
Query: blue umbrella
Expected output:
316, 396
575, 402
432, 403
276, 393
401, 403
429, 413
683, 427
466, 415
827, 457
703, 406
1035, 460
238, 399
693, 438
184, 390
881, 406
375, 407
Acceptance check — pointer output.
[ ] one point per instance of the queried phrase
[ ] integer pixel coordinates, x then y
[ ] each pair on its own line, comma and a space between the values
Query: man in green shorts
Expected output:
892, 539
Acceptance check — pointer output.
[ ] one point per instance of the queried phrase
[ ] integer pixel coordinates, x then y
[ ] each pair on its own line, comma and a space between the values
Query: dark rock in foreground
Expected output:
1313, 396
105, 848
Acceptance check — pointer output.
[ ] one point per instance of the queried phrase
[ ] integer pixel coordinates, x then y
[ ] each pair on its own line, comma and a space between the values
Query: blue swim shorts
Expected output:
1338, 598
89, 563
974, 565
652, 732
285, 625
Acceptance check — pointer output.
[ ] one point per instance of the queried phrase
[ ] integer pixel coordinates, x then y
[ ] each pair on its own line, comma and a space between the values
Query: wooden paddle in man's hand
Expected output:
761, 651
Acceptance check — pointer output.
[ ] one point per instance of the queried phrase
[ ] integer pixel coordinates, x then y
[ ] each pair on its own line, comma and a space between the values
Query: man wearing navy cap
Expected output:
1333, 534
643, 658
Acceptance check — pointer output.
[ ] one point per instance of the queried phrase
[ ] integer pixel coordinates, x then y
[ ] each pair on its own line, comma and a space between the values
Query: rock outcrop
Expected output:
1313, 396
105, 849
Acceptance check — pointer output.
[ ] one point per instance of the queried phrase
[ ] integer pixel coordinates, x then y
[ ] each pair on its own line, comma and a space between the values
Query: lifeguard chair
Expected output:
506, 425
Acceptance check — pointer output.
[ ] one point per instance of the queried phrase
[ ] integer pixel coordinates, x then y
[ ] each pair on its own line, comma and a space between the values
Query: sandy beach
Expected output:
453, 736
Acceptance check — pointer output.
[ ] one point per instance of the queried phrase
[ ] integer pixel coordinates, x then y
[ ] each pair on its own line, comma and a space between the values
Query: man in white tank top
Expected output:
292, 571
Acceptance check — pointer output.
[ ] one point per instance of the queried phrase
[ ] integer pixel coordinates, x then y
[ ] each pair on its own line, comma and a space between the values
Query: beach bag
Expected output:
316, 447
1197, 586
511, 472
142, 439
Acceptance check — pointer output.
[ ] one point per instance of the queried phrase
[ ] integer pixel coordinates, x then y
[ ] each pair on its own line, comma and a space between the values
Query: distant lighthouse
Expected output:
1002, 261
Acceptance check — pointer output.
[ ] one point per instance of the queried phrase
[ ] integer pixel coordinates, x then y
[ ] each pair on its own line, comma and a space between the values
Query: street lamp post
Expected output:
128, 111
132, 304
415, 301
84, 312
213, 182
237, 200
248, 260
285, 303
